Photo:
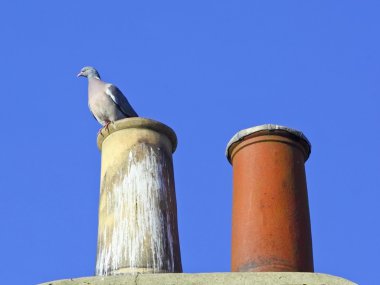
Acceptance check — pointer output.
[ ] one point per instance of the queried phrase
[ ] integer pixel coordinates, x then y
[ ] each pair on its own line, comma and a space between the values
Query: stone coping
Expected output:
137, 123
238, 278
268, 129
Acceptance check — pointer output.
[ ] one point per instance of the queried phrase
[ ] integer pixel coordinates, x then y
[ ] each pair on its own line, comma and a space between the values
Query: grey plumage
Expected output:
106, 102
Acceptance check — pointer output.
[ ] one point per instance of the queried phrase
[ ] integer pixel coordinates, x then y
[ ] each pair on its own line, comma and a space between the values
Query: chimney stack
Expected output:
270, 219
138, 229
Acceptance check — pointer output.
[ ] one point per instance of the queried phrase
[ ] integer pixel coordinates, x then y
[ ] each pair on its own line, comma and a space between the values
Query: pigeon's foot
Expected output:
106, 127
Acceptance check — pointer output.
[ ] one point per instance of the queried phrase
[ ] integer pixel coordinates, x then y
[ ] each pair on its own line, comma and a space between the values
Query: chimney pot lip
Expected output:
268, 129
137, 123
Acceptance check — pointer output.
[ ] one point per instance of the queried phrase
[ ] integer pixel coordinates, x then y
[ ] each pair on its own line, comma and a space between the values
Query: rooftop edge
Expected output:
236, 278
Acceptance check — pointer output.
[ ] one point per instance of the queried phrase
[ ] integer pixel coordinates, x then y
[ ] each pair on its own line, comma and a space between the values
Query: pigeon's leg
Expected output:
105, 127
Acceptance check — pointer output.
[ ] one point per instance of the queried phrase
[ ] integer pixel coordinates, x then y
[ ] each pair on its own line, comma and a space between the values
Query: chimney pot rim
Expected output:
138, 123
272, 129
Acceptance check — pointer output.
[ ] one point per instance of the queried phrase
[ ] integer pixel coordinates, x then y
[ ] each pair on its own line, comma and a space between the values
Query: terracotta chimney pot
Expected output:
270, 218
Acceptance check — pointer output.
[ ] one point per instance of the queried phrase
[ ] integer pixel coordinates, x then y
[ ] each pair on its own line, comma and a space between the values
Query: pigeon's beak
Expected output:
80, 74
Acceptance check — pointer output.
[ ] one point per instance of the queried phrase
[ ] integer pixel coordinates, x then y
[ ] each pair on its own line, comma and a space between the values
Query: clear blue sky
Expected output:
207, 69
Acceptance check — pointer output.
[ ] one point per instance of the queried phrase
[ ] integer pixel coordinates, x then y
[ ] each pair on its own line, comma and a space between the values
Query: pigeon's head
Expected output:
88, 72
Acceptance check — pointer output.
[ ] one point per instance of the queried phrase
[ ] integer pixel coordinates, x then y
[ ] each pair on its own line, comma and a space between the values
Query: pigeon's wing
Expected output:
120, 101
